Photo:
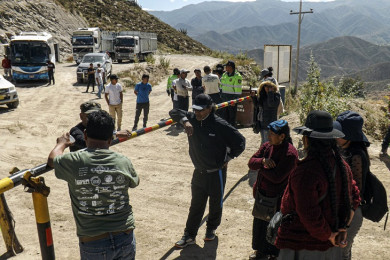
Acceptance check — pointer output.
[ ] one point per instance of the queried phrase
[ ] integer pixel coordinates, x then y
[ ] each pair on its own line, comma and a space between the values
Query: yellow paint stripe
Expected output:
6, 184
40, 207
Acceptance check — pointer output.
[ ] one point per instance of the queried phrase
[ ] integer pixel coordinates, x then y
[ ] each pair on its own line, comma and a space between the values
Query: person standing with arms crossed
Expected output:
91, 78
181, 87
98, 181
212, 144
114, 99
142, 91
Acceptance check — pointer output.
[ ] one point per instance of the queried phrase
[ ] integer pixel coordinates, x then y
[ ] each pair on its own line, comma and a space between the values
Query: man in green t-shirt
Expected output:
98, 182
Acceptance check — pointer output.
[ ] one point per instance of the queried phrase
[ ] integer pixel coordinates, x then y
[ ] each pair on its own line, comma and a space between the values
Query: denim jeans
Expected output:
100, 88
121, 246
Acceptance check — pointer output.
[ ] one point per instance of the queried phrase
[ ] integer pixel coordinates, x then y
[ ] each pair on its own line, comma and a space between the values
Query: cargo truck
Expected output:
91, 40
131, 45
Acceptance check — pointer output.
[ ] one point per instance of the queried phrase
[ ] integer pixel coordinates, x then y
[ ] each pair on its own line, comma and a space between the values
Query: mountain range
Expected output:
344, 56
236, 26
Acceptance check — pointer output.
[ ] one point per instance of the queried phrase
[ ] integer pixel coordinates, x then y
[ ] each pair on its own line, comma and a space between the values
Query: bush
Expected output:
317, 95
164, 62
150, 59
350, 87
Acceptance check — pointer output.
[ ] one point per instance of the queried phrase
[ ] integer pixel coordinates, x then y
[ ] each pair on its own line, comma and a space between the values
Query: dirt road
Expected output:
161, 202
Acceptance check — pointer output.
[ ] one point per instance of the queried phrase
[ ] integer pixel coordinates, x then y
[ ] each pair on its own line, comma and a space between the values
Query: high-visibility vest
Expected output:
231, 84
170, 80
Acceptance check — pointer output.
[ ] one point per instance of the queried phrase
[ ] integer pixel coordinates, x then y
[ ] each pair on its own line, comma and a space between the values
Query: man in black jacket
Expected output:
212, 144
77, 131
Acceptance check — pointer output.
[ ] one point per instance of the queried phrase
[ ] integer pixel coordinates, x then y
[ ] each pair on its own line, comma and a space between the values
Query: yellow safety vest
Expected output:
170, 80
231, 84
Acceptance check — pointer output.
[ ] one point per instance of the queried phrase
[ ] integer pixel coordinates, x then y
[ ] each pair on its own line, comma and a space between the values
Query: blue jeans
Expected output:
121, 246
100, 88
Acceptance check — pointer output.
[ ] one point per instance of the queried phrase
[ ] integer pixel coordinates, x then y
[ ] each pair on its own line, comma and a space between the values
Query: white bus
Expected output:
29, 53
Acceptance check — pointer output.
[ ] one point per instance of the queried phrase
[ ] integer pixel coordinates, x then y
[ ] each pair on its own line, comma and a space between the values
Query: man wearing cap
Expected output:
181, 87
98, 181
170, 90
231, 86
212, 144
211, 85
196, 84
77, 132
114, 99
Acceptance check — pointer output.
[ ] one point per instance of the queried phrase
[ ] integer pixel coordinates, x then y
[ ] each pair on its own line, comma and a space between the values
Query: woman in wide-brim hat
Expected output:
354, 150
319, 196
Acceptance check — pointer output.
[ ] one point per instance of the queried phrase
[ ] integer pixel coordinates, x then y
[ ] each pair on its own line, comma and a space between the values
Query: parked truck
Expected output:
91, 40
130, 45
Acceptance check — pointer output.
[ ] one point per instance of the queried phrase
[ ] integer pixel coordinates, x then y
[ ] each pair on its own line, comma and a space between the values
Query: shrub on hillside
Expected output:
164, 62
317, 95
150, 59
351, 87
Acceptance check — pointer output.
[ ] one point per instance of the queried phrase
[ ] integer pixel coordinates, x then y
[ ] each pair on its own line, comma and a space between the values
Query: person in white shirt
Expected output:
99, 74
211, 84
181, 87
114, 99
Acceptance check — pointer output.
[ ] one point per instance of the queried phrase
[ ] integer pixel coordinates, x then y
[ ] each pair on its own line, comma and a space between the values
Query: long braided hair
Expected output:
320, 149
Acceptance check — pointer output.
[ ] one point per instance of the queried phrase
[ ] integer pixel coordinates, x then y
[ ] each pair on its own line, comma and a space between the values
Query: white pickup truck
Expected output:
8, 94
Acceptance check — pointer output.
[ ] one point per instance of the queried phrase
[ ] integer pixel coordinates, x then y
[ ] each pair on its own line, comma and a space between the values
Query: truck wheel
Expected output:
80, 81
141, 57
119, 61
13, 105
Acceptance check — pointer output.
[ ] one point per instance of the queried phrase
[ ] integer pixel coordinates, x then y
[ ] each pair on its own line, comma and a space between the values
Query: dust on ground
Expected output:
162, 199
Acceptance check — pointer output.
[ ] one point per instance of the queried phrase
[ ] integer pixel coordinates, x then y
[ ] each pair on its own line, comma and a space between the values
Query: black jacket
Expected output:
213, 142
78, 133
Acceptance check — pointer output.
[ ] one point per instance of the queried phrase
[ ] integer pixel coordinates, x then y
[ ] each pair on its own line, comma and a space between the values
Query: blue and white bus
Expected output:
29, 53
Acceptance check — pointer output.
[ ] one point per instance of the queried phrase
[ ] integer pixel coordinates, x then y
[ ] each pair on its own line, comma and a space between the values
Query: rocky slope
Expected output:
39, 15
62, 17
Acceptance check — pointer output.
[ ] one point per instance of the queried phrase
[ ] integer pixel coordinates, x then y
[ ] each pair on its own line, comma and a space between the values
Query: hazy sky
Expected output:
167, 5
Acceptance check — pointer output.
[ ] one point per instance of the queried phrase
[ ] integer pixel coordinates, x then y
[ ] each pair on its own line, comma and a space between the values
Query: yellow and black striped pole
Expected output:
40, 192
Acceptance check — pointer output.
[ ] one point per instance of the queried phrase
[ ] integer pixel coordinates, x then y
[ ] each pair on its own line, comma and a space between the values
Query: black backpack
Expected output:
374, 205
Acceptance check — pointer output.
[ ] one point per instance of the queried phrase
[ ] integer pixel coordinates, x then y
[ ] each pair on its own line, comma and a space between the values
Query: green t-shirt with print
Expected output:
98, 182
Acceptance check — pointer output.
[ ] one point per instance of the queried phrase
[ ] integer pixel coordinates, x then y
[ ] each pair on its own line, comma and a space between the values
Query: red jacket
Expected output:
272, 182
311, 228
6, 63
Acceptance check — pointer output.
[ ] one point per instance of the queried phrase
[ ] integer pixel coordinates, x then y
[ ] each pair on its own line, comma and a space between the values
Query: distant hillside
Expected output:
249, 25
344, 56
118, 15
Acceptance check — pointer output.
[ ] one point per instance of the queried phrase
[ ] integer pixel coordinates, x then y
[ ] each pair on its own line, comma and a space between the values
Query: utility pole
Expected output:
300, 19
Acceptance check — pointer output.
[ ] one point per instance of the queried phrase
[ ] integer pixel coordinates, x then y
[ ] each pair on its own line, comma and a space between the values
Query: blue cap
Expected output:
277, 126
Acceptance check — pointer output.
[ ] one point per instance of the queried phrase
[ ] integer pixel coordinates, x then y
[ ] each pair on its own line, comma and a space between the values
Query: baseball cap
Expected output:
264, 73
230, 63
89, 107
184, 71
202, 101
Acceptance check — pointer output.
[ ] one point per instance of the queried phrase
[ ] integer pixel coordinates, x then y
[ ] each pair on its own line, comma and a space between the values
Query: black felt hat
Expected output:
319, 124
351, 124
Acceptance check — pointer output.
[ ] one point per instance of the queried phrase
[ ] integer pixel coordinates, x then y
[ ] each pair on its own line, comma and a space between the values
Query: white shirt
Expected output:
211, 83
182, 86
99, 76
113, 91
